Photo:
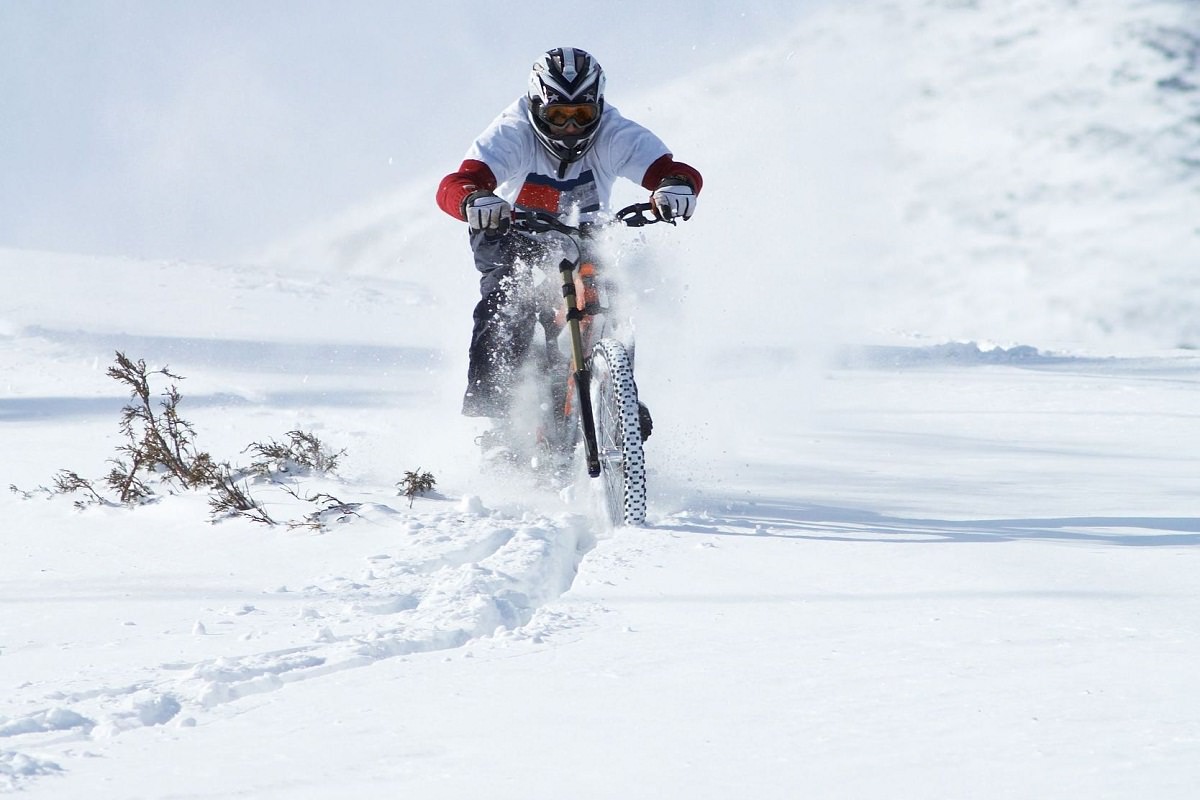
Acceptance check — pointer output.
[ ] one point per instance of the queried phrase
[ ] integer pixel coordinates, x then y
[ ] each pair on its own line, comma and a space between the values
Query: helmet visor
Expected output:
559, 114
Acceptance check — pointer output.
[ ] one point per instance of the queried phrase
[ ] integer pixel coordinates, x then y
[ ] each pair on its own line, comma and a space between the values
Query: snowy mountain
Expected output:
923, 515
988, 158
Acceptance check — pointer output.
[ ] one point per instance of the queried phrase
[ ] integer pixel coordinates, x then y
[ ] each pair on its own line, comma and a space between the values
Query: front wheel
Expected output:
618, 433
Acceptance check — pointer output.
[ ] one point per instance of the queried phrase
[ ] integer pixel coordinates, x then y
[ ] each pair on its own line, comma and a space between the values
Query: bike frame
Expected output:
634, 216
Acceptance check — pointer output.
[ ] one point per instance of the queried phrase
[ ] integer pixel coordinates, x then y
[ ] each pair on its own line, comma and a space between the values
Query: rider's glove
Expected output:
485, 211
673, 198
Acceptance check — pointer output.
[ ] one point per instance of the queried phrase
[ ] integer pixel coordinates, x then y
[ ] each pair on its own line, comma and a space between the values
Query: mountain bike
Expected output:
587, 404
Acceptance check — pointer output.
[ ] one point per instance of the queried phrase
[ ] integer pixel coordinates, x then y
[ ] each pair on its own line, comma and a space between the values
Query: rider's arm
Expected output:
667, 167
472, 176
501, 153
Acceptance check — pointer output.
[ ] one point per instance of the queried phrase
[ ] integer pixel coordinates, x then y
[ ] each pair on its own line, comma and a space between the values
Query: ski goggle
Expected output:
582, 114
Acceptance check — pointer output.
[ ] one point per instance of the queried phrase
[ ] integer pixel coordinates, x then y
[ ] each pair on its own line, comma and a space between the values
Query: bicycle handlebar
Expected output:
634, 216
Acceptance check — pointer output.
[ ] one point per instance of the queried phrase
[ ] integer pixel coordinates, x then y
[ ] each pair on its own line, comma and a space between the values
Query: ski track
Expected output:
461, 575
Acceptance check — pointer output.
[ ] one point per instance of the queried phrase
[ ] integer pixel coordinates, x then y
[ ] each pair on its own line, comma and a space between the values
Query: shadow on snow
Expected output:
34, 409
320, 358
179, 354
785, 519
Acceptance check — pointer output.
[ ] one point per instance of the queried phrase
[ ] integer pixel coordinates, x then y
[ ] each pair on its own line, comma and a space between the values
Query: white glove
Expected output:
485, 211
674, 200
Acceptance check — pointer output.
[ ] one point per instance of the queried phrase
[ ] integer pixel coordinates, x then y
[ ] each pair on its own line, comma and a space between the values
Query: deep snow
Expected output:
923, 513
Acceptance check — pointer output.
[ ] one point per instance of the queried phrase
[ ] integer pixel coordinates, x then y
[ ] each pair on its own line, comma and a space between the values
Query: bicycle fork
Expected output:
581, 374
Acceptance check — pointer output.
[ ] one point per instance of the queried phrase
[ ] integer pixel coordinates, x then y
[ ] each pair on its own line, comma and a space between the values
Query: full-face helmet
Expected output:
566, 99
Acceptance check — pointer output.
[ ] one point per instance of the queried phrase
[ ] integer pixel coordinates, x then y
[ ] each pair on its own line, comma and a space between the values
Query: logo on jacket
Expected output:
559, 197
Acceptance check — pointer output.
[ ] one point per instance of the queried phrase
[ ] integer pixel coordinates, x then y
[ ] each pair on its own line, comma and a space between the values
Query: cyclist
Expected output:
557, 148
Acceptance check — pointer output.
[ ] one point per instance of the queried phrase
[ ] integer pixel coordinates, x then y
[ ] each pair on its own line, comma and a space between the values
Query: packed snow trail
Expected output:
429, 580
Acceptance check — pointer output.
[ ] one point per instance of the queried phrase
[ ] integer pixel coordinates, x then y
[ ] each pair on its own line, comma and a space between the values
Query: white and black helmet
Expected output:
566, 100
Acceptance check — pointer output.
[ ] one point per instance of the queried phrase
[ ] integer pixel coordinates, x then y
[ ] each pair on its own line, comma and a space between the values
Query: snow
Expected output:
923, 516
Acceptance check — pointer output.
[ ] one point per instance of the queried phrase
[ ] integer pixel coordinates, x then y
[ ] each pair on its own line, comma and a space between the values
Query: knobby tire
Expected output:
618, 433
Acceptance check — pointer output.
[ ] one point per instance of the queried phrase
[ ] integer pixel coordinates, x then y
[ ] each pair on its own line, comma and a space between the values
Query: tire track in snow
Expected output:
458, 576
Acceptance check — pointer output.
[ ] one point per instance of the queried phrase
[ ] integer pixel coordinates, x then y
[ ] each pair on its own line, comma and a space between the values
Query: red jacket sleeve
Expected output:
667, 167
471, 176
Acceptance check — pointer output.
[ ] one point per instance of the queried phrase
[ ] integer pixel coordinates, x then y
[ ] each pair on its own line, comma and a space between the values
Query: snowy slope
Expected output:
1063, 150
923, 518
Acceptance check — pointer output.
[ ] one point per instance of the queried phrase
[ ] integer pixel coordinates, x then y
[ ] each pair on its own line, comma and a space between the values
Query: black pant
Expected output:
504, 320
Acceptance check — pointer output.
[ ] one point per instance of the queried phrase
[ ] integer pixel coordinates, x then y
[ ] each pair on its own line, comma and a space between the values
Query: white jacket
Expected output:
527, 174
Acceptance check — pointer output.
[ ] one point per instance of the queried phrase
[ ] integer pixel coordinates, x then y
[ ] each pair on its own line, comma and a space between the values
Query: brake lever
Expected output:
635, 216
